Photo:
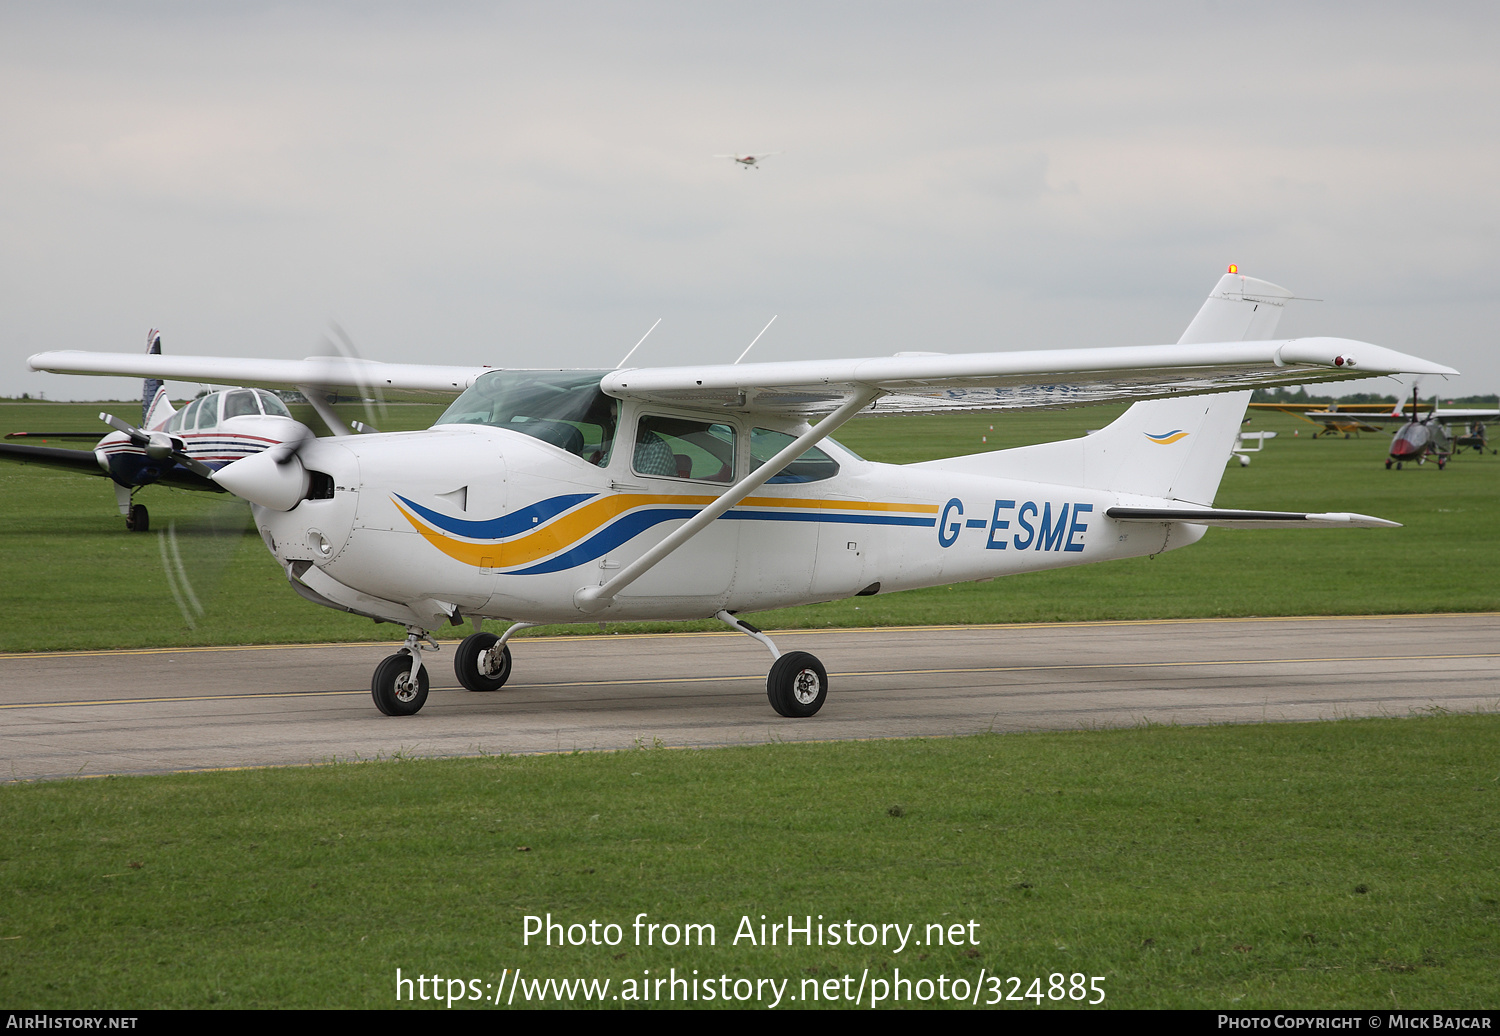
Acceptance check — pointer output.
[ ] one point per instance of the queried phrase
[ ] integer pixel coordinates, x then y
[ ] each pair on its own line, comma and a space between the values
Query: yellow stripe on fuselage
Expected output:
570, 528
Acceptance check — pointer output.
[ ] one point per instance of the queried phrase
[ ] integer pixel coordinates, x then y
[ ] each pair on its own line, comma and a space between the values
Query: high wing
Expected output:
340, 374
928, 383
1014, 380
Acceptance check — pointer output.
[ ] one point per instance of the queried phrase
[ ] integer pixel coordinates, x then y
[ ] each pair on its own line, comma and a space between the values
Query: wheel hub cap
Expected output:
805, 686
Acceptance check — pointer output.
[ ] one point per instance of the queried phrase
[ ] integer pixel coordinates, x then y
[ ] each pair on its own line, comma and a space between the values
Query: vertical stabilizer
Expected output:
1177, 448
155, 407
1172, 448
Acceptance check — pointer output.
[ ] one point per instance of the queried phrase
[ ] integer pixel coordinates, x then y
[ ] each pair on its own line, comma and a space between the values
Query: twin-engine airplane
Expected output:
555, 496
180, 448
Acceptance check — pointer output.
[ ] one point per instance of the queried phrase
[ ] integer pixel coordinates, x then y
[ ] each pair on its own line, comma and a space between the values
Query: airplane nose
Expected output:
271, 478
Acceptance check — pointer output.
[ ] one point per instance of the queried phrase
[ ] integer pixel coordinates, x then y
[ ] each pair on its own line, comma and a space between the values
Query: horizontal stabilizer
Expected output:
1227, 519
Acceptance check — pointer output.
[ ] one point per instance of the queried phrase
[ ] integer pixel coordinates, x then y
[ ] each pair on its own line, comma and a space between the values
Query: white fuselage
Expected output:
490, 522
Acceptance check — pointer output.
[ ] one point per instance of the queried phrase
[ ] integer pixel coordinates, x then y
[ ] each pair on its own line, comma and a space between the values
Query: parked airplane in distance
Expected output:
556, 496
180, 448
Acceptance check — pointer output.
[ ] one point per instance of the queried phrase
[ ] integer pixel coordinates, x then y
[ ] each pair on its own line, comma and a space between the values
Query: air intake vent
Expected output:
319, 486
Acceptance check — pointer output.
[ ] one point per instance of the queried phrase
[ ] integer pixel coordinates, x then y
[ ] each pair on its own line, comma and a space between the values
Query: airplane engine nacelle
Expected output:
317, 525
349, 524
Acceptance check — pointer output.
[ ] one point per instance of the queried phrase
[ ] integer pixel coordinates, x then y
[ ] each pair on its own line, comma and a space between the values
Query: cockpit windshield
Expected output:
564, 408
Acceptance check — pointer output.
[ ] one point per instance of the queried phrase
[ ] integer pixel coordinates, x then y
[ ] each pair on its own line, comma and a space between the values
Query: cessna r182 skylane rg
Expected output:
553, 496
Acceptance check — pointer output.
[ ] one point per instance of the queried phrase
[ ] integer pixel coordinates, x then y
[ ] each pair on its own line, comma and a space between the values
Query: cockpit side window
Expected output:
671, 447
564, 408
240, 403
272, 406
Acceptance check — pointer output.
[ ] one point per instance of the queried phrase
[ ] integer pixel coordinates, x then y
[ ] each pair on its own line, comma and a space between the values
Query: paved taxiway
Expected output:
150, 711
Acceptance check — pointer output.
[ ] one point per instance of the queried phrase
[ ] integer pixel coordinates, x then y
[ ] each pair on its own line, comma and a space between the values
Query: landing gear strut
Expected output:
399, 685
797, 685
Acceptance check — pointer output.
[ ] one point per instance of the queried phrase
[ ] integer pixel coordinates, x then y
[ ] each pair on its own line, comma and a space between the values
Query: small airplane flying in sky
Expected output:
750, 161
180, 448
556, 496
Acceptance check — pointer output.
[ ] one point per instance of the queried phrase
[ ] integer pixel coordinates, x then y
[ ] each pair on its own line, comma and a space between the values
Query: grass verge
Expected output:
1344, 864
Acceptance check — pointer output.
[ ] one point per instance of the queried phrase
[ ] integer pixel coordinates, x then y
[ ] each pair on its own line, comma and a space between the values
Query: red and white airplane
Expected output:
179, 448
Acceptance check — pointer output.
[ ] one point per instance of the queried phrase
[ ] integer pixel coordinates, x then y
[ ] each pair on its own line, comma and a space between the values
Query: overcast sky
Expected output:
534, 184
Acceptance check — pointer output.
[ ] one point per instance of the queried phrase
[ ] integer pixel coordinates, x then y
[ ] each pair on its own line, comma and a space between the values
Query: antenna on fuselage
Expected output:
637, 345
756, 338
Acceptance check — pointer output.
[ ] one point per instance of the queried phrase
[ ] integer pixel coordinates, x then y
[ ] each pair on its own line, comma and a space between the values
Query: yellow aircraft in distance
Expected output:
1337, 418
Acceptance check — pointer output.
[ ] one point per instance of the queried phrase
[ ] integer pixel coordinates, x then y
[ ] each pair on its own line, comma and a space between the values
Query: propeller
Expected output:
273, 478
195, 551
371, 395
159, 445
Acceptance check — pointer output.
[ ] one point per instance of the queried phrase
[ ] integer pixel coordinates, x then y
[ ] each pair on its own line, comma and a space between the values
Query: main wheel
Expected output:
471, 667
392, 689
797, 685
139, 519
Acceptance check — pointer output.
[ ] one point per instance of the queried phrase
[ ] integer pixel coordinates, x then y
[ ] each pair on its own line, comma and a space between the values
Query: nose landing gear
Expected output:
399, 685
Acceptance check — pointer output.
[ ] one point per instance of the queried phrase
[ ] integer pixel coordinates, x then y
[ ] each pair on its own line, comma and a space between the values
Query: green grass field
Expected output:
1345, 864
79, 581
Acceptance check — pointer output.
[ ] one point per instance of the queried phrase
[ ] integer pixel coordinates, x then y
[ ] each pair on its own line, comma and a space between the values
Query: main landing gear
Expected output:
482, 662
797, 684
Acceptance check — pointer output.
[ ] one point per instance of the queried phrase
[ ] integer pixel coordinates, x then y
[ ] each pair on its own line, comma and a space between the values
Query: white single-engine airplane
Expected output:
180, 448
554, 496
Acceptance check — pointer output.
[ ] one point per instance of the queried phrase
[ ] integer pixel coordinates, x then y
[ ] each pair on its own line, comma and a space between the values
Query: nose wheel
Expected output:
395, 690
399, 685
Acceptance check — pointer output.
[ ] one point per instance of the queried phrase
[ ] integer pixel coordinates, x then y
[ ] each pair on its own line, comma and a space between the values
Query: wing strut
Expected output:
594, 598
318, 398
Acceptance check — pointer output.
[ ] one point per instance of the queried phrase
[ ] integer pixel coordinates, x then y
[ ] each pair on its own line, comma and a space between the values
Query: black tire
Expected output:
139, 519
390, 687
467, 659
797, 685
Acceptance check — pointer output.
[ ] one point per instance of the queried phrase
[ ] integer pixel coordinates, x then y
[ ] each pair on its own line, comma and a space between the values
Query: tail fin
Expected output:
1172, 448
1177, 448
155, 408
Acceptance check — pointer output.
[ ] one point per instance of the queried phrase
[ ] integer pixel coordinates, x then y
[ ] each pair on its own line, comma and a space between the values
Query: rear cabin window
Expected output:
671, 447
812, 466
